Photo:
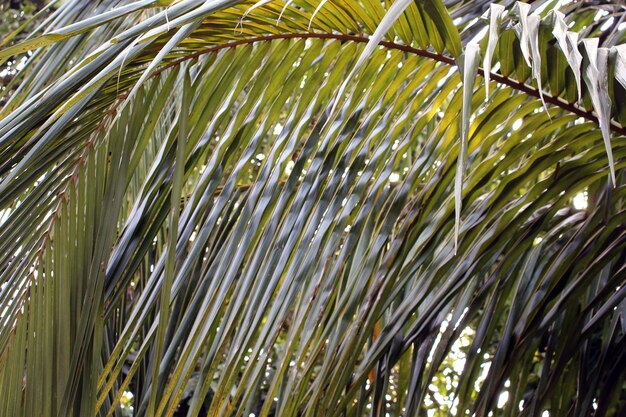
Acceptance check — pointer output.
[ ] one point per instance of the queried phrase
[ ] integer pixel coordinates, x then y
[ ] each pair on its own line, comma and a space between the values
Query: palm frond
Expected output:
314, 208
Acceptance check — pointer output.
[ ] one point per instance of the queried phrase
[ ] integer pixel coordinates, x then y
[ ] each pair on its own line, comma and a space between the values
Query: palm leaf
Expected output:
306, 208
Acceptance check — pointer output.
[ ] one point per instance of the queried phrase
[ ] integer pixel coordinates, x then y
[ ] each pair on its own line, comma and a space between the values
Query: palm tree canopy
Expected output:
314, 208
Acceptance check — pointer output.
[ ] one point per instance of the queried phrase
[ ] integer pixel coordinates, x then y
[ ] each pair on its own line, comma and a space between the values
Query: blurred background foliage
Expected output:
18, 20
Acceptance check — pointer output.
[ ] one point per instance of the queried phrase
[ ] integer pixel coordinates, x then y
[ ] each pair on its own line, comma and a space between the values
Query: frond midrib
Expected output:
494, 76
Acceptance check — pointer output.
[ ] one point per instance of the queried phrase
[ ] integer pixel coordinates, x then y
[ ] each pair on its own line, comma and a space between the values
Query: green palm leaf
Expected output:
306, 208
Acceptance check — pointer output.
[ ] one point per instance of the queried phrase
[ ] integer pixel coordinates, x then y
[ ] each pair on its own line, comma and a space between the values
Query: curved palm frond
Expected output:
315, 208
